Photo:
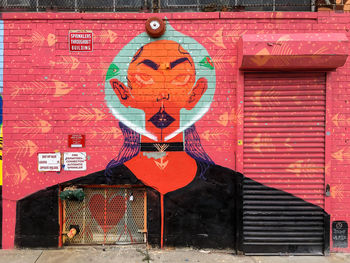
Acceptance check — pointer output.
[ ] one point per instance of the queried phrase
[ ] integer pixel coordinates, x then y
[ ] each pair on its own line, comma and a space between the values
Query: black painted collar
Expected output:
162, 147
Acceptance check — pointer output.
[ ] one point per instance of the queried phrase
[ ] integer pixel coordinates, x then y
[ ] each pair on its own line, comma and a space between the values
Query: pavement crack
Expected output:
42, 251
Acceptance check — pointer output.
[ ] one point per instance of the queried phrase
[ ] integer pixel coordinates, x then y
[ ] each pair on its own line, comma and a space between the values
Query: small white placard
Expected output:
74, 161
76, 146
49, 162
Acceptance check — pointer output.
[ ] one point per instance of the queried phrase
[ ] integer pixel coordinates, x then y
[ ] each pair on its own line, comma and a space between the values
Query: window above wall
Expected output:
168, 5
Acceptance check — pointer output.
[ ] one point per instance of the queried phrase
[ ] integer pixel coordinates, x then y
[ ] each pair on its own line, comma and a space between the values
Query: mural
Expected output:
160, 113
158, 94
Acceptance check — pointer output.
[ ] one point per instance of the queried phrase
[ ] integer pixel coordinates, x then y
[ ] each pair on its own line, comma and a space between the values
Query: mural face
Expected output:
161, 80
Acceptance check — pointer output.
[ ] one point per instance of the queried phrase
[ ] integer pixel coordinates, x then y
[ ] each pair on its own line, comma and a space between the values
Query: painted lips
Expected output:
161, 119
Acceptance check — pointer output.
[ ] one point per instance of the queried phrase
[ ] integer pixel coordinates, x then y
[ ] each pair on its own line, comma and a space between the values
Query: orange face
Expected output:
163, 73
161, 81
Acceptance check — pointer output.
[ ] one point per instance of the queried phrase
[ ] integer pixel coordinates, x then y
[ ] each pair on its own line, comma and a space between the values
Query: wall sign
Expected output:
76, 140
49, 162
80, 41
340, 234
74, 161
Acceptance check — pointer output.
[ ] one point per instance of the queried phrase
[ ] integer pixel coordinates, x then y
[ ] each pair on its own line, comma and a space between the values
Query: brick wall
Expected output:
50, 92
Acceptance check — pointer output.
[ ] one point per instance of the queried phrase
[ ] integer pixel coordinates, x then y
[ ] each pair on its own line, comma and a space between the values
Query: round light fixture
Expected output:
155, 27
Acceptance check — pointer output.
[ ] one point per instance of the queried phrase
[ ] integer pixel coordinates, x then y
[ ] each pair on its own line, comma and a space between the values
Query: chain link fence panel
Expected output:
106, 216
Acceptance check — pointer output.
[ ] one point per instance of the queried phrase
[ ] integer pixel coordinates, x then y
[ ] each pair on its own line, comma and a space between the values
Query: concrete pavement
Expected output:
139, 254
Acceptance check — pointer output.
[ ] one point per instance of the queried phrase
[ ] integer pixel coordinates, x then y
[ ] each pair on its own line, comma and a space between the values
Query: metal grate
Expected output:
284, 148
276, 5
169, 5
74, 5
17, 3
247, 5
112, 5
107, 216
284, 132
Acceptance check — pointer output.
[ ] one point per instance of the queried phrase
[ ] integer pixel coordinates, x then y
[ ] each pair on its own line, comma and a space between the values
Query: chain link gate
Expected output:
106, 216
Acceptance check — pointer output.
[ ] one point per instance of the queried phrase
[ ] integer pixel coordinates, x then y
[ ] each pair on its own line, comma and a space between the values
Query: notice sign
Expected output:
74, 161
49, 162
80, 41
76, 140
340, 234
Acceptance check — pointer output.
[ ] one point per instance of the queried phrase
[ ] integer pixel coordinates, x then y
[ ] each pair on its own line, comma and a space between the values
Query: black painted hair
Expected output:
193, 148
131, 147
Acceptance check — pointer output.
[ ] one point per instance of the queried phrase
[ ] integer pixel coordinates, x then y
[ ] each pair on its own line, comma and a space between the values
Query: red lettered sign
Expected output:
80, 41
76, 140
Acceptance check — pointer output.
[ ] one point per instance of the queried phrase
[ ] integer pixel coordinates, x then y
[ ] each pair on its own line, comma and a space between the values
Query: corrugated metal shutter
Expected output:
284, 149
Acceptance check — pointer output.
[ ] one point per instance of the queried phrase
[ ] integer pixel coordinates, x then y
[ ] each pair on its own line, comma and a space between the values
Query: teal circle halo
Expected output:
135, 118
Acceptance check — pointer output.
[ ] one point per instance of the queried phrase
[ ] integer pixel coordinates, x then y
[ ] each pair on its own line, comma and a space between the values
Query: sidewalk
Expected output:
128, 254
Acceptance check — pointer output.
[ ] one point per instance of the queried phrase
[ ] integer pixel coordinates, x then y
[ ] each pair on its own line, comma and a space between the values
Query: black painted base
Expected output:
37, 219
207, 213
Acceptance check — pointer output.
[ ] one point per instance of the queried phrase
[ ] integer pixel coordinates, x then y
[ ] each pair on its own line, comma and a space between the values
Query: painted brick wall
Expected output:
50, 93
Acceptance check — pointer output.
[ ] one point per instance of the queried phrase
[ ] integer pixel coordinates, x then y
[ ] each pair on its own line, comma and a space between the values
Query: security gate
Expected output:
106, 216
284, 163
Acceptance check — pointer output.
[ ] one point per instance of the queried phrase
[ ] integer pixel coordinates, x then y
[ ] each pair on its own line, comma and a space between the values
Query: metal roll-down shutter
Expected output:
284, 163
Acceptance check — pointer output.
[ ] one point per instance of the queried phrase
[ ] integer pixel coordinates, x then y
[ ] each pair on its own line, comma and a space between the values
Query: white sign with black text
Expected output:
49, 162
74, 161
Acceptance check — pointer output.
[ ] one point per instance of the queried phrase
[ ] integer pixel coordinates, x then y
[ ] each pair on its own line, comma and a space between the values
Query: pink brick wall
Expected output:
50, 92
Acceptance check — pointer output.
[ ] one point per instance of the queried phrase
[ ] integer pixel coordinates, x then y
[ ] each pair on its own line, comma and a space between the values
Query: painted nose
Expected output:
163, 96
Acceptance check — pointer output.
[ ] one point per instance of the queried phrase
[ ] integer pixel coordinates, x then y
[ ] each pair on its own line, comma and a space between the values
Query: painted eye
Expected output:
181, 80
144, 79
